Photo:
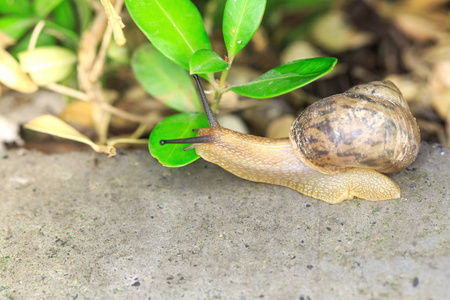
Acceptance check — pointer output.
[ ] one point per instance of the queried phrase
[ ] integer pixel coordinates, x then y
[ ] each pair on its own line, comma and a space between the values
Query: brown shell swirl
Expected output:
368, 126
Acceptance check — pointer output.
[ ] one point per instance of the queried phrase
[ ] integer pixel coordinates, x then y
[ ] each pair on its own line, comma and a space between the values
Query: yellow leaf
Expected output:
5, 40
52, 125
12, 76
48, 64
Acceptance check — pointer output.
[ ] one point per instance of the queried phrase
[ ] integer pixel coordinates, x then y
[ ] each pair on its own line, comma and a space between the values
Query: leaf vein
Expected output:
175, 26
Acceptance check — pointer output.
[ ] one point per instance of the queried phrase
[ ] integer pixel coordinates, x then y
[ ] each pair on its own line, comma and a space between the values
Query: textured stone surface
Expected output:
80, 225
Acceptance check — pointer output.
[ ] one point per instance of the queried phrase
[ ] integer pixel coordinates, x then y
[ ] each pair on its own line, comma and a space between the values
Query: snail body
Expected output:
340, 136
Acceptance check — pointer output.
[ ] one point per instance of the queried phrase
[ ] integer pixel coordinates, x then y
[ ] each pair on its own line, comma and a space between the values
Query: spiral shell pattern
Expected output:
368, 126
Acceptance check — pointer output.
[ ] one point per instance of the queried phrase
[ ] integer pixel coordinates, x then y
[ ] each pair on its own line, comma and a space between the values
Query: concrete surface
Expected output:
82, 226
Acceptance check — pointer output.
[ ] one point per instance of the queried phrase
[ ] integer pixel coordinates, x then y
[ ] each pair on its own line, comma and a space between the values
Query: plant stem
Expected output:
35, 35
219, 90
64, 90
223, 77
150, 119
215, 104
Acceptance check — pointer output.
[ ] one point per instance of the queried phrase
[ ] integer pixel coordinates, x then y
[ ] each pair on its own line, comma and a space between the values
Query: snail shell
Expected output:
368, 126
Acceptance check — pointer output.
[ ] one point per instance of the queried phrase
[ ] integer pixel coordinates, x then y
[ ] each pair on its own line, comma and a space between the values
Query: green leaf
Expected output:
44, 7
64, 16
67, 36
206, 61
176, 127
164, 80
16, 7
16, 26
241, 18
174, 27
286, 78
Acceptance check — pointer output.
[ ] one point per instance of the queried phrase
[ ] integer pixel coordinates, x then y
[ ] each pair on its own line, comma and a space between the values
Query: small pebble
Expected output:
415, 282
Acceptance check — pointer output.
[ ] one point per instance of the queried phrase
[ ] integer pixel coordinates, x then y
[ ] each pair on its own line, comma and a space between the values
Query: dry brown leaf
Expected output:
334, 33
441, 103
280, 127
229, 101
442, 72
440, 88
232, 122
417, 27
437, 53
410, 88
299, 50
79, 113
421, 5
260, 40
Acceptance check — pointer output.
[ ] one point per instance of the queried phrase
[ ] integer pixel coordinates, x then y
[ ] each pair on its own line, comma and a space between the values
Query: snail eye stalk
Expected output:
211, 120
194, 140
207, 109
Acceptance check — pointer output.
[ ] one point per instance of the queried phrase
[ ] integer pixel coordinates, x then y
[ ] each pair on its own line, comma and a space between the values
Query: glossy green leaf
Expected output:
64, 16
176, 127
16, 7
286, 78
44, 7
206, 61
241, 18
68, 37
174, 27
164, 80
16, 26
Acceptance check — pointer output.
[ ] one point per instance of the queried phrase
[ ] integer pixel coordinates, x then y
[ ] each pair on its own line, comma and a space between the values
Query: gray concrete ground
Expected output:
82, 226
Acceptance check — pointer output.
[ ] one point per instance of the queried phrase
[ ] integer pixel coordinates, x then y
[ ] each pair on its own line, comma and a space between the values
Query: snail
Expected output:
337, 148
